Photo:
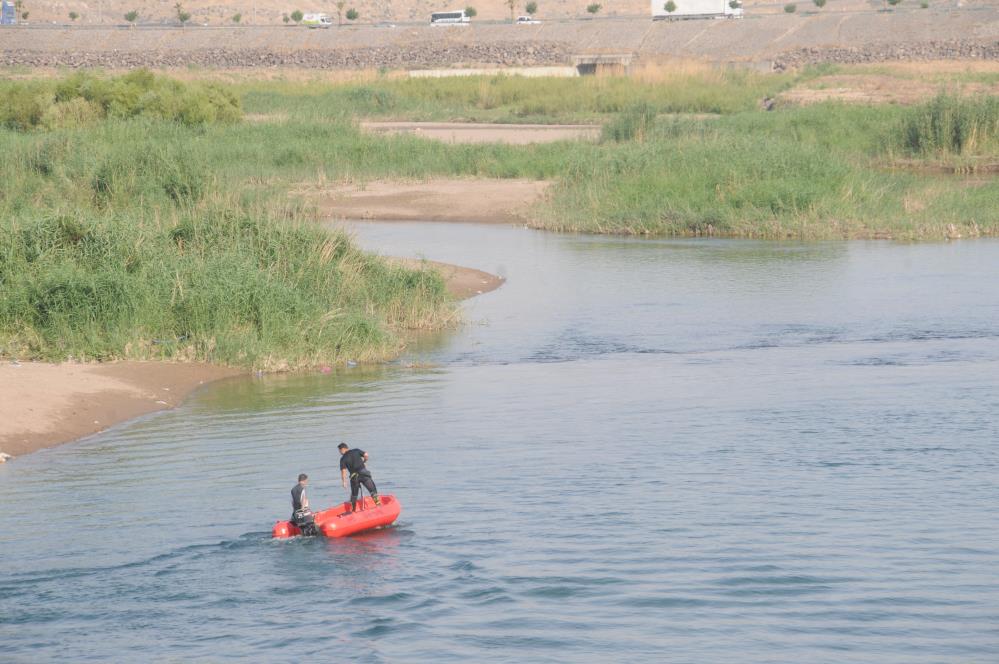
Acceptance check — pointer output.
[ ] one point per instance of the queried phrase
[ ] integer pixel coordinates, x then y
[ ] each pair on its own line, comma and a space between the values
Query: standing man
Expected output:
301, 515
352, 466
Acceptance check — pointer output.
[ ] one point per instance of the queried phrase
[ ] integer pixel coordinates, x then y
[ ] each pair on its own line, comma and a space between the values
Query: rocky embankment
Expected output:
918, 51
402, 56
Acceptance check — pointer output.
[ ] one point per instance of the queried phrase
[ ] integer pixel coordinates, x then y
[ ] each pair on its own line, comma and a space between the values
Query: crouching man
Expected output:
301, 515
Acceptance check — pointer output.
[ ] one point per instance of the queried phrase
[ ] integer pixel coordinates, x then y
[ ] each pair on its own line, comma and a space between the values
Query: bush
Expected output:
22, 106
819, 3
531, 8
297, 16
352, 14
594, 8
670, 6
790, 8
471, 12
73, 16
84, 98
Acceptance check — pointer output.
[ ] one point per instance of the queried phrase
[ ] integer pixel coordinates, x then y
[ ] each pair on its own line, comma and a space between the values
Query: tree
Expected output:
531, 8
470, 12
182, 16
734, 4
297, 16
670, 7
819, 3
340, 4
594, 8
236, 18
790, 8
132, 16
24, 16
352, 14
512, 4
73, 16
285, 18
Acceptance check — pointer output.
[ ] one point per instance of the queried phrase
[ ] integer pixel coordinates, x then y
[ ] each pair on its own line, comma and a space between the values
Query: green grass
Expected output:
681, 89
140, 238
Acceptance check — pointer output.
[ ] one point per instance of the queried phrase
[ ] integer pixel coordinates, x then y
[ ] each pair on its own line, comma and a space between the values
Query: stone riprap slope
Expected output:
784, 40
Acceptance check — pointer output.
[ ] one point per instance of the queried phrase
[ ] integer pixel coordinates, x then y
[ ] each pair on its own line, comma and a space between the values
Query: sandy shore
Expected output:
461, 282
478, 201
48, 404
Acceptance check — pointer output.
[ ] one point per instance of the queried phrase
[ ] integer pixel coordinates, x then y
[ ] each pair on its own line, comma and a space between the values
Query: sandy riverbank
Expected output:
48, 404
478, 201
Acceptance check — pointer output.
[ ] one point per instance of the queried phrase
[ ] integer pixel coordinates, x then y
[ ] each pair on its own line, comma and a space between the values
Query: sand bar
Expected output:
476, 201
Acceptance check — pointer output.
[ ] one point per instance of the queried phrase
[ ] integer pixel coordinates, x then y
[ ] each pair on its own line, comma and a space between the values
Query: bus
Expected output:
450, 18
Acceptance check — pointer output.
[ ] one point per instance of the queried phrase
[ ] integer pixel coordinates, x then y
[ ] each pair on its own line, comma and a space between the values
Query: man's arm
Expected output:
343, 477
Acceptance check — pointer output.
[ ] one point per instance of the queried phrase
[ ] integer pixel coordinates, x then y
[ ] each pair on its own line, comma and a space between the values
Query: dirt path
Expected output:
47, 404
469, 132
480, 201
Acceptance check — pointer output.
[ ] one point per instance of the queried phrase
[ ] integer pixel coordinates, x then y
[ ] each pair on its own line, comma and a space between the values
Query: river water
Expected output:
635, 450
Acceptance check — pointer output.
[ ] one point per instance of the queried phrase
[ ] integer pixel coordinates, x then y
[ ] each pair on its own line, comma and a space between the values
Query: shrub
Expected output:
22, 106
790, 8
297, 16
71, 114
471, 12
531, 8
132, 16
83, 98
819, 3
182, 15
894, 3
73, 16
236, 18
352, 14
670, 6
594, 8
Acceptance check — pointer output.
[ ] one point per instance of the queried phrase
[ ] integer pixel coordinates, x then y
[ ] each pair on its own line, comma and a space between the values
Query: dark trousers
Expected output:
356, 480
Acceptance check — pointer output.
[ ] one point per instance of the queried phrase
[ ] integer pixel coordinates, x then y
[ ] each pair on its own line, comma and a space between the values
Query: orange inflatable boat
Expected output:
339, 521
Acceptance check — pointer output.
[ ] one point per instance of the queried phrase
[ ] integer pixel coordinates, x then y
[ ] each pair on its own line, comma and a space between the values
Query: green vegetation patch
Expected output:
949, 126
83, 99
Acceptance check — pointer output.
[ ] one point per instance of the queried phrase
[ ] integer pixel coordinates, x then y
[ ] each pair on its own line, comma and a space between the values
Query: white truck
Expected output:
696, 9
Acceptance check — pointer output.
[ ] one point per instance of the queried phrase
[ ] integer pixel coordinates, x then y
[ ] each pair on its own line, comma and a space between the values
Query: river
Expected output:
635, 450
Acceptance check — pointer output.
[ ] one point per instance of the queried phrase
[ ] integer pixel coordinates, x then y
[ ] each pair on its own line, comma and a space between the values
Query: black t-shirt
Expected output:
297, 496
352, 461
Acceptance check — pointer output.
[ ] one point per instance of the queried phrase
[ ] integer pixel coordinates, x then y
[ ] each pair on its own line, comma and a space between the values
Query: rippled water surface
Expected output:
689, 451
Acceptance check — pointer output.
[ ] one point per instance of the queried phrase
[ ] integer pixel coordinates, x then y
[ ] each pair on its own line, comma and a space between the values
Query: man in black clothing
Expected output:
352, 466
301, 515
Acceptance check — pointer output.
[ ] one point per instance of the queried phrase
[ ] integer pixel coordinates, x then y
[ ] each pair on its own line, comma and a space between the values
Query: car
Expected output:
527, 20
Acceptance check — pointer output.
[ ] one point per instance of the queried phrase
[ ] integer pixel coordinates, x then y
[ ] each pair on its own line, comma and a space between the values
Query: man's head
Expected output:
343, 447
303, 478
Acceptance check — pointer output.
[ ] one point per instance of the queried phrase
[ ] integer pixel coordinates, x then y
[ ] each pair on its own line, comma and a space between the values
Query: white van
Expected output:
450, 18
317, 20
